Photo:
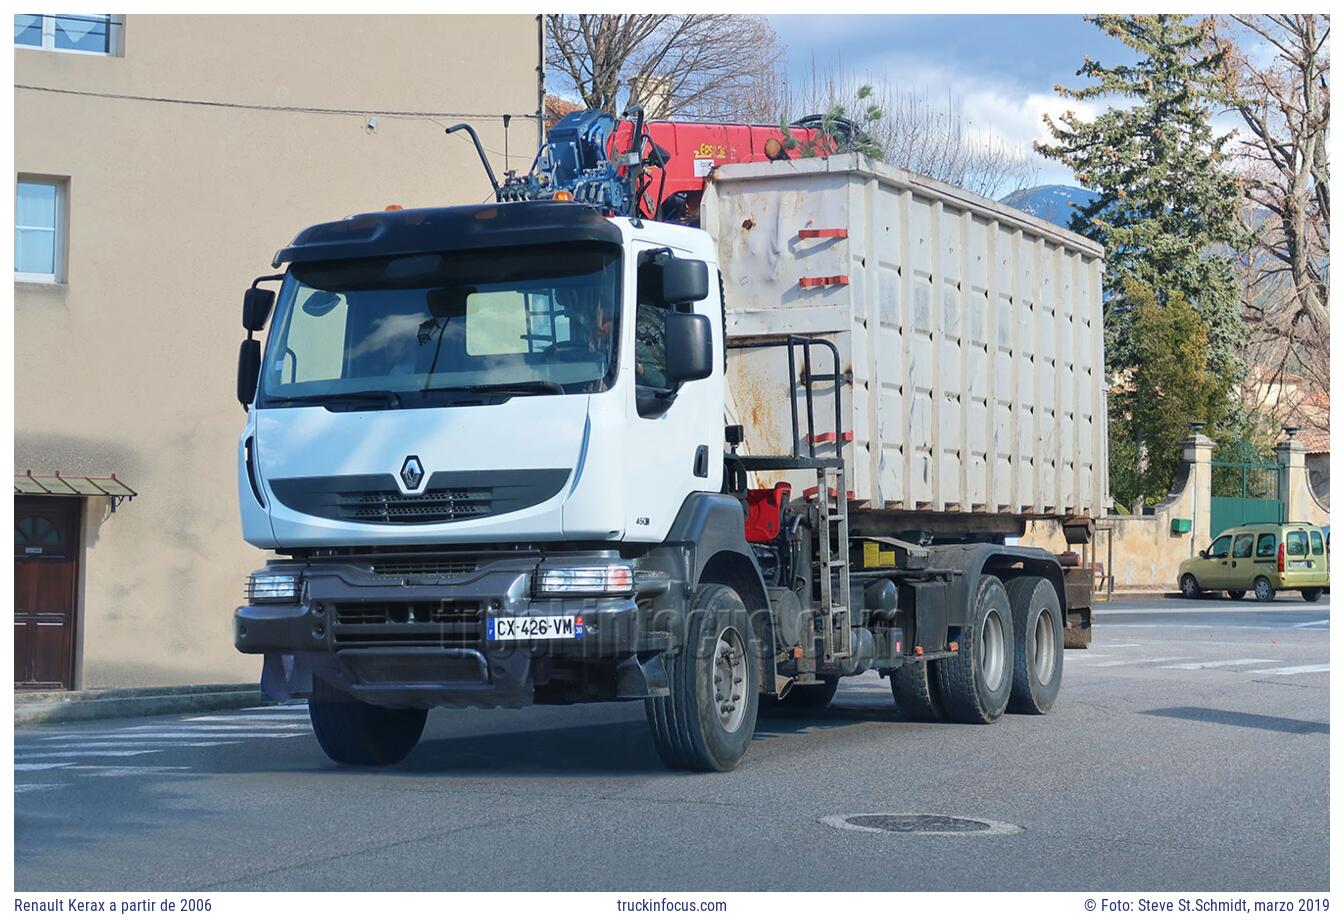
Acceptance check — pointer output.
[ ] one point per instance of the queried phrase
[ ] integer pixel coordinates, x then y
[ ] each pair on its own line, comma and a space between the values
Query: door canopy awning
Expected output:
60, 484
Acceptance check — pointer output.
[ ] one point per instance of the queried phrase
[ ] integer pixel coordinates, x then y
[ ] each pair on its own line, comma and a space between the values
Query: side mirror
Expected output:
690, 346
667, 280
1203, 554
685, 281
257, 303
249, 368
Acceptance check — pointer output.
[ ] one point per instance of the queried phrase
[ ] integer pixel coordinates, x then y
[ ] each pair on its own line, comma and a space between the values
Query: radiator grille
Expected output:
425, 567
449, 496
428, 624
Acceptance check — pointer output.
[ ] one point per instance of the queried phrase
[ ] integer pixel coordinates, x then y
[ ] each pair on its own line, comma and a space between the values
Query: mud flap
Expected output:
286, 677
1078, 627
640, 679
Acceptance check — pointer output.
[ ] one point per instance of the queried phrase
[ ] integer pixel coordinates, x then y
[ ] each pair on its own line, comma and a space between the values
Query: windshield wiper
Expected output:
388, 397
521, 386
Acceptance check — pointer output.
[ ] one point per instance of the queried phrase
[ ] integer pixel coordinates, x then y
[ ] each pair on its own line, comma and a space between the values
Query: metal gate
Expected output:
1245, 490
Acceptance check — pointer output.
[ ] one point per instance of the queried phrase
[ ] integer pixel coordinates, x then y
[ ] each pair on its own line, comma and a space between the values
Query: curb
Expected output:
1138, 595
77, 705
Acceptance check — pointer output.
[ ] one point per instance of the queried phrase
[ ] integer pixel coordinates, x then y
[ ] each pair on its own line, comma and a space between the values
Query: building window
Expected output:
39, 232
79, 33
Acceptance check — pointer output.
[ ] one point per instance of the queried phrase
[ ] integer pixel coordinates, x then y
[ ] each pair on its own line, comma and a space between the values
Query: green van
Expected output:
1264, 558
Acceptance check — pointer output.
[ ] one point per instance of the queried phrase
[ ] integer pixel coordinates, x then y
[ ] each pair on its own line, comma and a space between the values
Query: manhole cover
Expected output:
918, 824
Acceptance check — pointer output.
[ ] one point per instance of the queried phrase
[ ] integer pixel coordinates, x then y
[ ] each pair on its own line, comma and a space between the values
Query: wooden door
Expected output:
46, 560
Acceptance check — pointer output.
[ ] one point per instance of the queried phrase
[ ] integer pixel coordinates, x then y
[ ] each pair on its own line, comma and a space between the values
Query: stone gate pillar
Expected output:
1294, 491
1197, 455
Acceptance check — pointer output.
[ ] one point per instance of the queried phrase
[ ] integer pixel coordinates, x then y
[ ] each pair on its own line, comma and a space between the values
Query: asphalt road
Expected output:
1187, 751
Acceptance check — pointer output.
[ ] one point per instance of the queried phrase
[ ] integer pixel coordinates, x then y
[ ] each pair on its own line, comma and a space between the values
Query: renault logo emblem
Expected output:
411, 473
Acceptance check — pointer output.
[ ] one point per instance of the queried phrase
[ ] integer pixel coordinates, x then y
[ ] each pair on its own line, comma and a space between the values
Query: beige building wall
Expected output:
128, 364
1143, 552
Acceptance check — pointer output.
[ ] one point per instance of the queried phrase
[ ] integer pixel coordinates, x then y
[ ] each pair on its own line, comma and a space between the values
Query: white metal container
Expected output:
973, 333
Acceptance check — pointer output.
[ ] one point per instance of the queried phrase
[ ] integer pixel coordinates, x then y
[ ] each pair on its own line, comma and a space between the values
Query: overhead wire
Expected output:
258, 107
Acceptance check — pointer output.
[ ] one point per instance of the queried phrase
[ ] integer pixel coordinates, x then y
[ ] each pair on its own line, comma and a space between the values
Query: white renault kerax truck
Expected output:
536, 452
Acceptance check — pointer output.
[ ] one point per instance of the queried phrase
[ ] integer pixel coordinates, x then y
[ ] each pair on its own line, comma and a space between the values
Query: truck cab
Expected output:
495, 425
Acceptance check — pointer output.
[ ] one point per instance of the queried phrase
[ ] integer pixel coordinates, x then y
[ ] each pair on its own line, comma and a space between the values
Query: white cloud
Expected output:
992, 108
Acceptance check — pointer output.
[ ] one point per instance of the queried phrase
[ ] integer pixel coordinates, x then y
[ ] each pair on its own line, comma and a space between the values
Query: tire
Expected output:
976, 682
916, 694
707, 719
1190, 588
1311, 595
808, 696
1038, 645
355, 733
1237, 594
1264, 591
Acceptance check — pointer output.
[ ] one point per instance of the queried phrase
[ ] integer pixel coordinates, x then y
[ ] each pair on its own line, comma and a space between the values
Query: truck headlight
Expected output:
587, 579
273, 588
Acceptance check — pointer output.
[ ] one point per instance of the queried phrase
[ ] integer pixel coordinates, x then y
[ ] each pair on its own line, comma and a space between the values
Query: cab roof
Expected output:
482, 226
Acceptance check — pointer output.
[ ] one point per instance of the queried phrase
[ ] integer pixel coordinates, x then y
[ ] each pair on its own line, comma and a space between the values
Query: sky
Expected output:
1002, 69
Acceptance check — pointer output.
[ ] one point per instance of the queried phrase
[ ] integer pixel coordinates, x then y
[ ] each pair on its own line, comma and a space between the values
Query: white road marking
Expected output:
218, 728
282, 716
1312, 625
112, 771
84, 753
138, 743
179, 736
37, 787
43, 766
1229, 663
1296, 669
1220, 627
1117, 664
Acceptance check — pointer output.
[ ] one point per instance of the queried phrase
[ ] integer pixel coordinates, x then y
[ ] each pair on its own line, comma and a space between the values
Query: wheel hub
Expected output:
991, 650
1044, 659
730, 678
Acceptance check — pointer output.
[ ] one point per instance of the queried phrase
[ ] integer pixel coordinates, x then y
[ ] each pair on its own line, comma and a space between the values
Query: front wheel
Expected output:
707, 719
1264, 591
1190, 587
976, 682
1311, 595
360, 734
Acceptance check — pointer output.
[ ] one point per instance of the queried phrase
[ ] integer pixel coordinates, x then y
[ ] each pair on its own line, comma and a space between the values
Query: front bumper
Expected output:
421, 640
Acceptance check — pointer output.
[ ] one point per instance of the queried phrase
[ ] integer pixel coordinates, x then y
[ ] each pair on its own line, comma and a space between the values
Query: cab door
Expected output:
1211, 570
674, 447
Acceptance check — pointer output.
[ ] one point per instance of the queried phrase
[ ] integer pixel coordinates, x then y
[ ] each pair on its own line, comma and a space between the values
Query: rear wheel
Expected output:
1311, 595
807, 696
1264, 591
1038, 633
1190, 586
360, 734
976, 682
707, 719
1237, 594
916, 693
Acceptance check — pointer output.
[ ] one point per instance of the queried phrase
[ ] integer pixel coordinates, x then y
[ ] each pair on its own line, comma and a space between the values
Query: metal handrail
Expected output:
807, 342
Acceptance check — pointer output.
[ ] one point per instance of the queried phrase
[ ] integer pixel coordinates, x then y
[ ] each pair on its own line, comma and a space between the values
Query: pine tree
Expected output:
1170, 384
1168, 203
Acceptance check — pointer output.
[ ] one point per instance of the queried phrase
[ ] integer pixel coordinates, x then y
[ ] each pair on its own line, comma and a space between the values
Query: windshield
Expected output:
410, 329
